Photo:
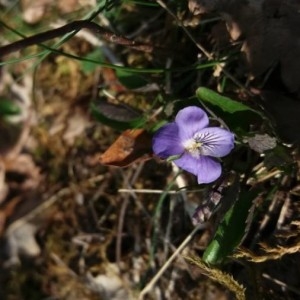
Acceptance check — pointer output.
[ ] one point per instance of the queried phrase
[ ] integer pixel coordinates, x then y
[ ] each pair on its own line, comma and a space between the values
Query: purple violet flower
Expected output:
194, 145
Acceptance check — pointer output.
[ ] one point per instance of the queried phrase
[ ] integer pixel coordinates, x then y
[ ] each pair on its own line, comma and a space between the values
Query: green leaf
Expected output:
130, 80
8, 108
226, 104
158, 125
231, 230
89, 67
173, 157
120, 117
236, 115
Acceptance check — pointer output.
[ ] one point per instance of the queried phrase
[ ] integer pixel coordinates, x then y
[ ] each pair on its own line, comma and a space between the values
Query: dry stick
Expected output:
147, 191
73, 26
282, 284
124, 206
48, 203
150, 285
119, 237
200, 47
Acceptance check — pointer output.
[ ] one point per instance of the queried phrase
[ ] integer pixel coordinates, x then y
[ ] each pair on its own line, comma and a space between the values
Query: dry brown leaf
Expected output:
111, 80
284, 112
270, 33
131, 146
261, 142
6, 211
275, 39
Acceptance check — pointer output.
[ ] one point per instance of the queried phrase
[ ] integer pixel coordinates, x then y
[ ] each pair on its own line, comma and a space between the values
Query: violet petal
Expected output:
166, 141
216, 142
205, 168
190, 120
209, 170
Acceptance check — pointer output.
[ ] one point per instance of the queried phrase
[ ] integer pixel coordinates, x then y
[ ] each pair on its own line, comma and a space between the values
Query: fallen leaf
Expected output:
269, 30
261, 142
6, 211
284, 113
133, 145
111, 80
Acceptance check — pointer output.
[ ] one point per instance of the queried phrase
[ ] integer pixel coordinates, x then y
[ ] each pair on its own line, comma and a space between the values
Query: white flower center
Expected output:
200, 144
193, 146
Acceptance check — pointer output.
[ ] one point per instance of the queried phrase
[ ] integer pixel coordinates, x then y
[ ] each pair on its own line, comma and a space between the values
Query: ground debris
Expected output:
268, 30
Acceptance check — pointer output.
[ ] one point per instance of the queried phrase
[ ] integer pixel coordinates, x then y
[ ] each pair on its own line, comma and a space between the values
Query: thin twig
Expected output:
40, 38
49, 202
151, 284
282, 284
128, 182
146, 191
119, 236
